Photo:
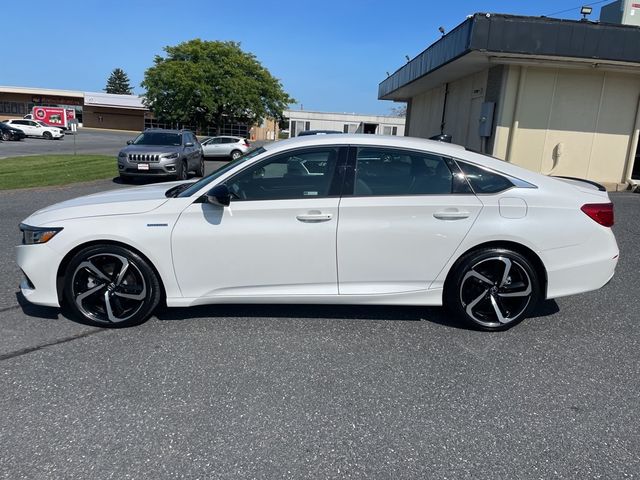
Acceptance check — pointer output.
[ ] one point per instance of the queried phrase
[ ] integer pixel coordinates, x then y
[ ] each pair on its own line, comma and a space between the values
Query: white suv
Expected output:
36, 128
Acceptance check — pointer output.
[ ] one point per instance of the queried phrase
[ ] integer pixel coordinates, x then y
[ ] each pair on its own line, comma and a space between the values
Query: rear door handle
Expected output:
451, 215
315, 217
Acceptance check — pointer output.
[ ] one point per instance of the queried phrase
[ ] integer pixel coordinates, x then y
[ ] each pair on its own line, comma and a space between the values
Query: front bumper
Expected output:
154, 169
39, 263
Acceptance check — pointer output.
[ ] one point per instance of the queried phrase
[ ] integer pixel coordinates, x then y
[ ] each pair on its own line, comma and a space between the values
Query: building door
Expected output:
636, 166
370, 128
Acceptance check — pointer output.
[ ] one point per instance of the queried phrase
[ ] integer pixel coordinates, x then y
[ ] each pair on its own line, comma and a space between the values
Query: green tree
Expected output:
118, 82
204, 82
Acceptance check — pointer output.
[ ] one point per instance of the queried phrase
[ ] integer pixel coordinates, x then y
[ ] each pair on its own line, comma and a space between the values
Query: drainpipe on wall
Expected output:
635, 138
444, 107
516, 112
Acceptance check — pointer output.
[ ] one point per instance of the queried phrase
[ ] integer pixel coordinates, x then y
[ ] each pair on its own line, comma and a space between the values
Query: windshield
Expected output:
158, 138
194, 187
42, 123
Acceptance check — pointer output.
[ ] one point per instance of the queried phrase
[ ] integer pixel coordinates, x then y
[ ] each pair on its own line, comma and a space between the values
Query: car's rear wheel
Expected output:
47, 135
492, 289
111, 286
235, 154
200, 168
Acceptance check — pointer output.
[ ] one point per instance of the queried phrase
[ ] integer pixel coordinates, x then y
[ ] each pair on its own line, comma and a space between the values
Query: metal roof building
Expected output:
557, 96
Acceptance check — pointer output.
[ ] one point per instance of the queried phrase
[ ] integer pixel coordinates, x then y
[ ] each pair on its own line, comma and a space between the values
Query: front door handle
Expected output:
451, 215
314, 217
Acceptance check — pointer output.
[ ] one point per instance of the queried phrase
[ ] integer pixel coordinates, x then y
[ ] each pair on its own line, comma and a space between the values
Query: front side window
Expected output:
292, 175
384, 171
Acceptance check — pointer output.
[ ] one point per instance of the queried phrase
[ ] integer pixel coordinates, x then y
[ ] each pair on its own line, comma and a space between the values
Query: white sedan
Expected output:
36, 128
332, 219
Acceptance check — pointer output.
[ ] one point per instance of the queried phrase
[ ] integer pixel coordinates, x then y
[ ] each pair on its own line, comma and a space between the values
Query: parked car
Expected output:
232, 147
36, 128
161, 153
7, 132
317, 132
421, 223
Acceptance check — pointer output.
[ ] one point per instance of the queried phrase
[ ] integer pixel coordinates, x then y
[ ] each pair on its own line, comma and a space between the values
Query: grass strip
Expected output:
48, 170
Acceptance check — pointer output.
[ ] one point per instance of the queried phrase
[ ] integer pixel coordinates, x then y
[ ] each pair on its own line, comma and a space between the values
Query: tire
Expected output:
492, 289
183, 171
236, 154
47, 135
6, 136
200, 168
110, 286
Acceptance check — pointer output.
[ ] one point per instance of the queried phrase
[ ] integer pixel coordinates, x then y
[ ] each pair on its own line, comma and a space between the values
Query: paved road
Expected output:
87, 141
321, 392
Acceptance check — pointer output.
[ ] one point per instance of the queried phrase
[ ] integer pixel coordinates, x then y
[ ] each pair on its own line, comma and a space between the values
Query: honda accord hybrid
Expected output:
330, 219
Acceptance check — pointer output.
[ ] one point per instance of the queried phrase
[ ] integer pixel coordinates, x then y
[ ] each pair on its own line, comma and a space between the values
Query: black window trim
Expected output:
337, 181
459, 186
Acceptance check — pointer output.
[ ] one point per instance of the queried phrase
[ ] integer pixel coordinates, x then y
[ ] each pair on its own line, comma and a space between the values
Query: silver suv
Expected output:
162, 153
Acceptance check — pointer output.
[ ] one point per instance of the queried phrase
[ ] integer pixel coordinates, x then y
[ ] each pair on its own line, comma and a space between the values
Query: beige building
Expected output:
562, 99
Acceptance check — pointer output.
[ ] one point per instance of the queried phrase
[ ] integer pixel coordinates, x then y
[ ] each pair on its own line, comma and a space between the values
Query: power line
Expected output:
576, 8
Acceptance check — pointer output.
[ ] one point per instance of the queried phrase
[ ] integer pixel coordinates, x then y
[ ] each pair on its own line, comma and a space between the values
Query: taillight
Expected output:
600, 212
246, 143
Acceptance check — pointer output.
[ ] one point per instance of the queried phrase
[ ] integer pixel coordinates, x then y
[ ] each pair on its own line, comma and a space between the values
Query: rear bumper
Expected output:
581, 268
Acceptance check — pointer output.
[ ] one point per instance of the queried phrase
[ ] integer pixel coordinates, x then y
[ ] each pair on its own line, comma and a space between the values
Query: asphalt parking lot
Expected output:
87, 140
320, 392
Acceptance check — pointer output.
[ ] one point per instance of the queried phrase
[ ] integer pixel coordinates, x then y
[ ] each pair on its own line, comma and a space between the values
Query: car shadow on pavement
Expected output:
437, 315
137, 181
31, 310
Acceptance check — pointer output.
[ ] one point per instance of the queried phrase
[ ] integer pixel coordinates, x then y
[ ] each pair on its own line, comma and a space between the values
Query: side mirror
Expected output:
129, 142
188, 144
219, 195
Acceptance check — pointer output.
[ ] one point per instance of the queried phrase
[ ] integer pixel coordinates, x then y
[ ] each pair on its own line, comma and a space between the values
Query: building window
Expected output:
394, 131
307, 126
345, 129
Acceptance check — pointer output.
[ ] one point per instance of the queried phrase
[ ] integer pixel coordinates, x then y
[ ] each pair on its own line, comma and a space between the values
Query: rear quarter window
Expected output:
484, 181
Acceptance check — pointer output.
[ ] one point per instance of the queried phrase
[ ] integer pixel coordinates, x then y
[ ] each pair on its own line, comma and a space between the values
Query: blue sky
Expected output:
329, 55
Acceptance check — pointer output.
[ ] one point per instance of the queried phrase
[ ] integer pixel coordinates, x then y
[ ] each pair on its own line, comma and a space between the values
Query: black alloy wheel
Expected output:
111, 286
492, 289
47, 135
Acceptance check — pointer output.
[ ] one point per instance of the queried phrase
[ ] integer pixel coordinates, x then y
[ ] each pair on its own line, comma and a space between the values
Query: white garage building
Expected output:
301, 120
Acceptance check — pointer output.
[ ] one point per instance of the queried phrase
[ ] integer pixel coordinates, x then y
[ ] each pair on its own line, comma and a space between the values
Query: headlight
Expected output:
122, 155
171, 156
32, 235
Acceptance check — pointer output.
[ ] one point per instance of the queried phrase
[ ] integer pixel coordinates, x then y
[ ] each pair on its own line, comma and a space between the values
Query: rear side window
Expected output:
386, 171
484, 181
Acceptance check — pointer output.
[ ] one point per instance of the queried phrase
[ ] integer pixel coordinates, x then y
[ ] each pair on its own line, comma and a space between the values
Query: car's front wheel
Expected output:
6, 136
111, 286
182, 172
492, 288
200, 167
47, 135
